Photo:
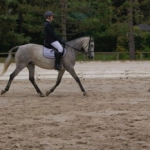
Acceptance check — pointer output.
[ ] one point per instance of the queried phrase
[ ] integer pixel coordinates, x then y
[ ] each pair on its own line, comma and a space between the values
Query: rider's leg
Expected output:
58, 54
58, 57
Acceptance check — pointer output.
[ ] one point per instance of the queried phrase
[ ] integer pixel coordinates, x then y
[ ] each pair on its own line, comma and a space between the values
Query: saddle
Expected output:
50, 52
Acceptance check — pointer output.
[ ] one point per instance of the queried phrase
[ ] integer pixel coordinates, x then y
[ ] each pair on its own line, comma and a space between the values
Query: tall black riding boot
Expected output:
58, 56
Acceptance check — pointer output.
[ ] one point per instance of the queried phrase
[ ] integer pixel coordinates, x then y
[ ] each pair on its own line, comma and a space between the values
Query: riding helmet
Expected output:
48, 13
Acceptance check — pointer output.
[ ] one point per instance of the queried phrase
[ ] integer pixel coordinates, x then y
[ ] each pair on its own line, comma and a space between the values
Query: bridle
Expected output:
88, 52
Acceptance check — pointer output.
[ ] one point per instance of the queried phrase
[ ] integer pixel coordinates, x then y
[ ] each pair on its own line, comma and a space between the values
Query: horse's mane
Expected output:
77, 39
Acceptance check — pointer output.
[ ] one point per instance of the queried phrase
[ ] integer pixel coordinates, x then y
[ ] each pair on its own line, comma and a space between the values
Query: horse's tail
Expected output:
8, 59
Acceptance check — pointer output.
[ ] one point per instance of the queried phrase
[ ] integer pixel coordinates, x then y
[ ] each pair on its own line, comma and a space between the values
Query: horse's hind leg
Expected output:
59, 77
12, 76
31, 68
74, 75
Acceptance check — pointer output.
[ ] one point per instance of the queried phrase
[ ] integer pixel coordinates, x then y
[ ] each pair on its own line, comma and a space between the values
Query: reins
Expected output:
85, 47
75, 48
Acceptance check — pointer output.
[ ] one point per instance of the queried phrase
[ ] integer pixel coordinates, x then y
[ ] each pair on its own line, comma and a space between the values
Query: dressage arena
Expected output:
114, 116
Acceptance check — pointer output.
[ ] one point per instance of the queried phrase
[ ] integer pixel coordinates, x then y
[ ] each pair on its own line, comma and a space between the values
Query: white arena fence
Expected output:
106, 70
103, 56
86, 74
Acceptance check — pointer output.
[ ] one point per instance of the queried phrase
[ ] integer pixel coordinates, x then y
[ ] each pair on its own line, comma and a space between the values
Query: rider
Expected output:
51, 39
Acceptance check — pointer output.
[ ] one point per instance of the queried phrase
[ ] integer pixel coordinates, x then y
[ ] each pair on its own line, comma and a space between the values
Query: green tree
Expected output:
107, 21
89, 17
127, 14
8, 31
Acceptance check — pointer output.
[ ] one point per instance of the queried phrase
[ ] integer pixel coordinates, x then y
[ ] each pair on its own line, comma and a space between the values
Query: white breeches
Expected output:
58, 46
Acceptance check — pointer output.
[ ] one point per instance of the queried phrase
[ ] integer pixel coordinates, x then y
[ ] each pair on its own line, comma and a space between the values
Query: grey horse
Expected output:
29, 55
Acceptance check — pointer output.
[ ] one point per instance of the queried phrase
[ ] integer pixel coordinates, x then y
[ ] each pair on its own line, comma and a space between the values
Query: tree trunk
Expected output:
64, 18
131, 31
20, 23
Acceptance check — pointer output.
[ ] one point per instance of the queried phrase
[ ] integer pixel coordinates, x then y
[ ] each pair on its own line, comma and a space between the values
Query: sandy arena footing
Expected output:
92, 69
114, 116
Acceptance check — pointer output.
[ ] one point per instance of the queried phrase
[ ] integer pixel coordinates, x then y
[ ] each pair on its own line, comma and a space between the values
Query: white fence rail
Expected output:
105, 55
83, 74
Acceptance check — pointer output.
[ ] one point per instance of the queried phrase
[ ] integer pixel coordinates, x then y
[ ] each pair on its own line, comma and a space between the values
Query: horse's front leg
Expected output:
59, 77
74, 75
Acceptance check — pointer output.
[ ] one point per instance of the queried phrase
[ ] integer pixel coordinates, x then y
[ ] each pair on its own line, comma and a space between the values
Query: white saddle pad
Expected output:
49, 53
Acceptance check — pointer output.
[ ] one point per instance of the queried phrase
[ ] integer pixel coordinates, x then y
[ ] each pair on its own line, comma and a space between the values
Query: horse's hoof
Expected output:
2, 92
47, 93
42, 95
84, 94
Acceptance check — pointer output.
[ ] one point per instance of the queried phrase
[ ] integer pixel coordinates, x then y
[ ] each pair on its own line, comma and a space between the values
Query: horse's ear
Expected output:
91, 38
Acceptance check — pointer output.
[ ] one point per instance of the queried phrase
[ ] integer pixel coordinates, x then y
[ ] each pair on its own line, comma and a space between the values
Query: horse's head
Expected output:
88, 47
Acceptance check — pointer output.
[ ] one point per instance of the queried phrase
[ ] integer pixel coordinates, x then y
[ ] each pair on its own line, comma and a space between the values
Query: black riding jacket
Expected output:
50, 35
